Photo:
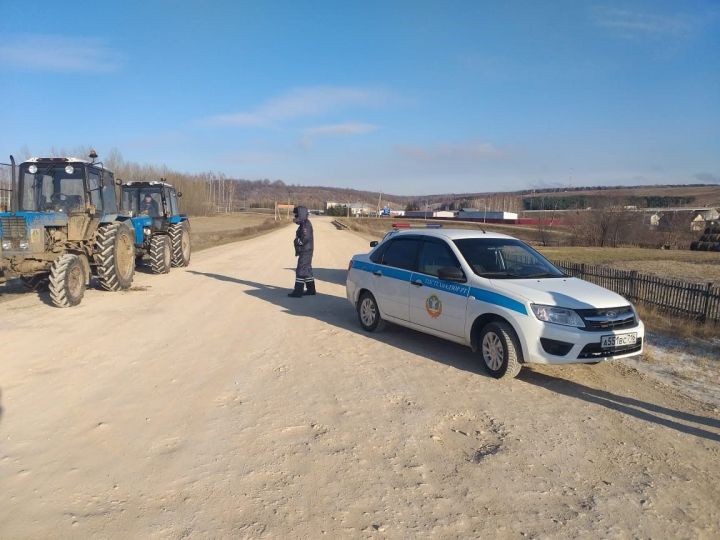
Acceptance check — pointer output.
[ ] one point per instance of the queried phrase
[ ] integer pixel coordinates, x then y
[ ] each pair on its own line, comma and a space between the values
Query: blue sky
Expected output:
406, 97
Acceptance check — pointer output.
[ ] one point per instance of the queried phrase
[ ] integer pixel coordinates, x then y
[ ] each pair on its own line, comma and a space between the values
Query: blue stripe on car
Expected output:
492, 297
482, 295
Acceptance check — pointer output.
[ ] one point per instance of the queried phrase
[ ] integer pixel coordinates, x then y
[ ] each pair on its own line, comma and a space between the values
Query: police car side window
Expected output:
435, 255
377, 254
402, 253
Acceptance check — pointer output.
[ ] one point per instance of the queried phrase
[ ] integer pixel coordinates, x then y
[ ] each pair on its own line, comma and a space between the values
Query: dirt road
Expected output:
206, 403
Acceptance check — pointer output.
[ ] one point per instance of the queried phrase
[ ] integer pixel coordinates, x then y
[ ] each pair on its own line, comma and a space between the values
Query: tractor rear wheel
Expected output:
160, 254
181, 249
114, 256
67, 281
38, 282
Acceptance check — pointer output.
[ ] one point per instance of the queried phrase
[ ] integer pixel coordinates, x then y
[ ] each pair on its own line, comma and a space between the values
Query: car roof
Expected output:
451, 234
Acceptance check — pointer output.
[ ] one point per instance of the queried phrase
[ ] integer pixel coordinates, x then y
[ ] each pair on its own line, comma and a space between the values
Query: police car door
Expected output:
434, 303
391, 278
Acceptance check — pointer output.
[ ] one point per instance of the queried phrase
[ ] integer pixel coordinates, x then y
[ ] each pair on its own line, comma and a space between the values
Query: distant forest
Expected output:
572, 202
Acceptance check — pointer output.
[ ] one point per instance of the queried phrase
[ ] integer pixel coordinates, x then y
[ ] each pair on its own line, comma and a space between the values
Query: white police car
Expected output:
494, 293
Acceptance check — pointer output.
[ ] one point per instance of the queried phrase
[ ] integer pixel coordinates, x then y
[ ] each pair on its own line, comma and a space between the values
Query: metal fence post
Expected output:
582, 270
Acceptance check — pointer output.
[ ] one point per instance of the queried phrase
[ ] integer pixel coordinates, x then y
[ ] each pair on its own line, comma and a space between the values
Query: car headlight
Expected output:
557, 315
6, 244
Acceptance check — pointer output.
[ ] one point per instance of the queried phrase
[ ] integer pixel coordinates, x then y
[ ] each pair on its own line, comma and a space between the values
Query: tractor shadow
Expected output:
337, 312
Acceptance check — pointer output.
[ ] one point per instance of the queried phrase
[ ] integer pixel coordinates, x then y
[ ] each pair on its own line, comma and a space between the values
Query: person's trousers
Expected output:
303, 272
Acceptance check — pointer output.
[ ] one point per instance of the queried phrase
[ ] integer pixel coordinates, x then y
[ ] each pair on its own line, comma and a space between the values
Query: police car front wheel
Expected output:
500, 350
369, 313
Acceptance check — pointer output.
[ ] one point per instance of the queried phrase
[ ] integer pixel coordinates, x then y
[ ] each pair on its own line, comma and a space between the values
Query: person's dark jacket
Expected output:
304, 235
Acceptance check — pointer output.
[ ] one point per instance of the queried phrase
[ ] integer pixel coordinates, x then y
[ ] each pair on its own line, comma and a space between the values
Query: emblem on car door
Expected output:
433, 306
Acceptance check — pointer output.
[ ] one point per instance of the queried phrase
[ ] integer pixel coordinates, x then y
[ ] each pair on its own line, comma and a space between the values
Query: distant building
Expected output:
429, 213
703, 217
472, 213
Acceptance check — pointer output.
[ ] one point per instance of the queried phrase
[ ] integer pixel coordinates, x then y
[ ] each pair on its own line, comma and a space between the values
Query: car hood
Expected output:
567, 292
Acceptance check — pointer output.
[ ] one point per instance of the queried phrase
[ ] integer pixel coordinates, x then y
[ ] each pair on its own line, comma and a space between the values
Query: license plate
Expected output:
620, 340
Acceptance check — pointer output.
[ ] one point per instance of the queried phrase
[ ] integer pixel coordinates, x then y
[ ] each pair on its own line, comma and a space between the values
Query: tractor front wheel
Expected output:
67, 281
114, 256
180, 238
160, 254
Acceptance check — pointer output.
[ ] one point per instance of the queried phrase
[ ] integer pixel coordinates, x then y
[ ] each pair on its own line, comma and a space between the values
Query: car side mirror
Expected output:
118, 182
374, 243
451, 273
179, 193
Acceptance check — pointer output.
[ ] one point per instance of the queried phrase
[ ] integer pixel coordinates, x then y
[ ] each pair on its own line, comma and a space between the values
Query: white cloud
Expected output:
466, 151
632, 24
303, 103
60, 54
335, 130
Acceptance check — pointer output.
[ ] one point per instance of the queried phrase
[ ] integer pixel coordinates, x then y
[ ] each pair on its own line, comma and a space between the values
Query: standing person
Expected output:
303, 251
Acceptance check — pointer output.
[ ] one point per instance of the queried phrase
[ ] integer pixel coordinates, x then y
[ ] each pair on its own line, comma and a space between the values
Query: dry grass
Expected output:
207, 232
697, 266
678, 327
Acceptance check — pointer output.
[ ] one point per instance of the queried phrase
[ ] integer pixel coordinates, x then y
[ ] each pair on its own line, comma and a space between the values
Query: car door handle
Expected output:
417, 283
377, 273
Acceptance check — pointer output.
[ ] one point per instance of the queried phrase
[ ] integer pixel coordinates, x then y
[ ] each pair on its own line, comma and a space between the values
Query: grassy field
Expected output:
212, 231
696, 266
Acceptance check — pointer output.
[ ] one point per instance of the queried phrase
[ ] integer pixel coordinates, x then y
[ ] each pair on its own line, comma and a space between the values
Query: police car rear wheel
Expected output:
500, 350
368, 313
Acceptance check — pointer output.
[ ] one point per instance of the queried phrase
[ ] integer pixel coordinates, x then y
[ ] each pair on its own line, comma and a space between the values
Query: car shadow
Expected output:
331, 275
636, 408
337, 312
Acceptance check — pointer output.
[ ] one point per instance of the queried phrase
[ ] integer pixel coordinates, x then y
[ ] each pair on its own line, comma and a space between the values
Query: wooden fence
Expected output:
699, 301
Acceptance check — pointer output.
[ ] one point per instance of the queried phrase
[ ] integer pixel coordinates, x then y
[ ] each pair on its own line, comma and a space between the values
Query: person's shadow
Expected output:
338, 312
331, 275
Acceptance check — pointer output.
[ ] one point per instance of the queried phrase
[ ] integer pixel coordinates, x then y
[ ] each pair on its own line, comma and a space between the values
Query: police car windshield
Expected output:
505, 258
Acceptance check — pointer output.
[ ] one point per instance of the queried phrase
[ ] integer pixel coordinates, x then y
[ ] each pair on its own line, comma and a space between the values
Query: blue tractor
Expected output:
63, 226
162, 233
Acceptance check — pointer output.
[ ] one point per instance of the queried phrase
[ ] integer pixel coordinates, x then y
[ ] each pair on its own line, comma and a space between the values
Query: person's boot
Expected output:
297, 291
310, 288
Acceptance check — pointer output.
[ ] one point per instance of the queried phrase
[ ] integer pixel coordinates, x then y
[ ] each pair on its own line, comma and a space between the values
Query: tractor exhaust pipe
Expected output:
13, 186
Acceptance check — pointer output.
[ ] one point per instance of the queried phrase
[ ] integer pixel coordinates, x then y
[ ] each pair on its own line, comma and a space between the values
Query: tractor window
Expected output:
52, 188
174, 203
94, 190
108, 193
130, 199
150, 203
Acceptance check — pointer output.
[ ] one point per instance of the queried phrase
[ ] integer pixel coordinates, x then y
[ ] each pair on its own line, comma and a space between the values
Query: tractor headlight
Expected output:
6, 244
147, 231
24, 244
557, 315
